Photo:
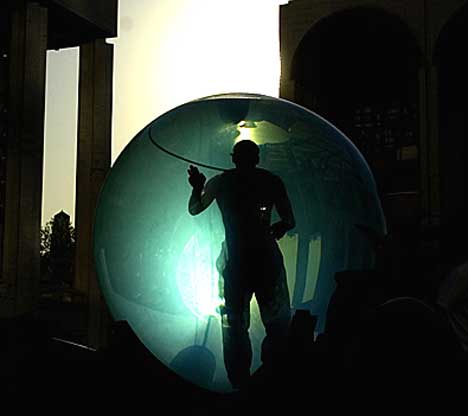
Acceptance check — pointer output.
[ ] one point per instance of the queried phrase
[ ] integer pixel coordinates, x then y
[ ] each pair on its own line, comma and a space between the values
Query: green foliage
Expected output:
46, 232
58, 249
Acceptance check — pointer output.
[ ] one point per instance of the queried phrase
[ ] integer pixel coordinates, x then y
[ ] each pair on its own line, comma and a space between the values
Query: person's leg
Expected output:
235, 317
274, 303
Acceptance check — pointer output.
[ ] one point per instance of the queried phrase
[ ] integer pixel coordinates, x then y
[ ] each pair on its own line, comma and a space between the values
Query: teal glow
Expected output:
197, 278
156, 264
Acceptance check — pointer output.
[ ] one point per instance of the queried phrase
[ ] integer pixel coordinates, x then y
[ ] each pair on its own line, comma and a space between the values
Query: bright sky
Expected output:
168, 52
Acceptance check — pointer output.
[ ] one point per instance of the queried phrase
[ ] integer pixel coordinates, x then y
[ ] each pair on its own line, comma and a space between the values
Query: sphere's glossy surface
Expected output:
156, 263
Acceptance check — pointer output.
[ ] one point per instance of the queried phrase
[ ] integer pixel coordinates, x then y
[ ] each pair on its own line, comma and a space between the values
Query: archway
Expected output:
359, 69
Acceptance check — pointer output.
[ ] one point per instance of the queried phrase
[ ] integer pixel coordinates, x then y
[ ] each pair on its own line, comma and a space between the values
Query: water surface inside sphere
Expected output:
157, 264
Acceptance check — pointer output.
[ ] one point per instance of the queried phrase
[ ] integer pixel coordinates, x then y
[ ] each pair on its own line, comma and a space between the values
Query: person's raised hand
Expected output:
196, 178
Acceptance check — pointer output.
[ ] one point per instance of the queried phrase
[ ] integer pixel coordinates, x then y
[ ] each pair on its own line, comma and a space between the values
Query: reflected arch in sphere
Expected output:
156, 264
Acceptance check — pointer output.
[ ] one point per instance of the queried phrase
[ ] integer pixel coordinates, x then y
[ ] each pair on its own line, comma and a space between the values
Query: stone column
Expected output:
93, 163
433, 146
423, 144
24, 164
429, 146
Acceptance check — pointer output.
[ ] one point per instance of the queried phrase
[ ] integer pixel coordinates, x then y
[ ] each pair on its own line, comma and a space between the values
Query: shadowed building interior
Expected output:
392, 76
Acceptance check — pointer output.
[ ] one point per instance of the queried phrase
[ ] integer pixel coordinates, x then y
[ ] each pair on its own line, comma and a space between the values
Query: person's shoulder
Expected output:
265, 172
268, 175
222, 177
215, 180
226, 174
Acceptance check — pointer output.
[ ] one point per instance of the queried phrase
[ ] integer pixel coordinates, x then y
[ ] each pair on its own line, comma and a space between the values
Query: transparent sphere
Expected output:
157, 264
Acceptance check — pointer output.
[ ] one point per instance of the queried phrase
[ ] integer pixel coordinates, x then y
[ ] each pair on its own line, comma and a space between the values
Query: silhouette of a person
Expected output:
250, 261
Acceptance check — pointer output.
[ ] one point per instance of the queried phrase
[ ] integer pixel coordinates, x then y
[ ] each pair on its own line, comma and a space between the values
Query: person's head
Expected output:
245, 154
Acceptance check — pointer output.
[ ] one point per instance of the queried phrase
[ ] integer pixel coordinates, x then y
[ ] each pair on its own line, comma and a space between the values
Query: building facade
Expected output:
389, 74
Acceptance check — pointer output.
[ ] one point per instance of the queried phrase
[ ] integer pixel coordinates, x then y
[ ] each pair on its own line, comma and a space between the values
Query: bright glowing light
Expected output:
244, 134
172, 51
60, 130
167, 52
261, 132
197, 278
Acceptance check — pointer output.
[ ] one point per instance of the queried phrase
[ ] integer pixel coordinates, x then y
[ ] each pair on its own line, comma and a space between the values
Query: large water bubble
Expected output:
157, 264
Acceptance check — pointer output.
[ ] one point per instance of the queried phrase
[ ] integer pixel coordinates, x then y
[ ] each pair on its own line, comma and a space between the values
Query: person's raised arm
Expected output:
202, 196
285, 212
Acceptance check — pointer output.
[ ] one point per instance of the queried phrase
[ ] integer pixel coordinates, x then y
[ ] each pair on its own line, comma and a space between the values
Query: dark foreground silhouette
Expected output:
250, 261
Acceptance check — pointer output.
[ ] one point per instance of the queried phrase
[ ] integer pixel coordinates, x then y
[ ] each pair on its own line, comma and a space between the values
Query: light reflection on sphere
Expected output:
157, 264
